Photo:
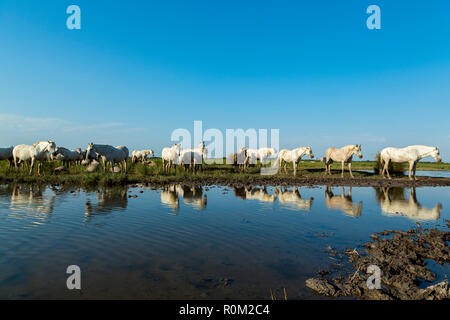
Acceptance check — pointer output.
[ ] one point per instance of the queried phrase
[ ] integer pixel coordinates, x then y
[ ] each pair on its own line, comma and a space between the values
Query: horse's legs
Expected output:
350, 169
414, 170
386, 168
411, 166
342, 165
295, 168
32, 165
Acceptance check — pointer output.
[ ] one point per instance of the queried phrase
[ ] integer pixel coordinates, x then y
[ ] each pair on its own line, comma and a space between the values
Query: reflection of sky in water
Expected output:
180, 241
433, 173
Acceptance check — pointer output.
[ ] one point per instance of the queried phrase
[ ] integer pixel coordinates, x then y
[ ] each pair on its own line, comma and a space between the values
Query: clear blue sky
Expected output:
137, 70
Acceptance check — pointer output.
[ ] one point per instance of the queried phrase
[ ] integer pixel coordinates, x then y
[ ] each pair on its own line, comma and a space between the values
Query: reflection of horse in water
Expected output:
342, 202
192, 196
32, 198
394, 203
169, 197
109, 199
293, 199
254, 193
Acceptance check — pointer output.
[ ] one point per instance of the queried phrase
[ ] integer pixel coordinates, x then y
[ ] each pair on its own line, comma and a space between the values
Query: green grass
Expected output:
77, 175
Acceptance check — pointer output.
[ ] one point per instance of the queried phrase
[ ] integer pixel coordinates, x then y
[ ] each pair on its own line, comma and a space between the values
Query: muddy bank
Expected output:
233, 180
403, 258
302, 181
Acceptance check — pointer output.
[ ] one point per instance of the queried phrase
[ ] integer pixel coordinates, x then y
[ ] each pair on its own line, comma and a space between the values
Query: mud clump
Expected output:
402, 257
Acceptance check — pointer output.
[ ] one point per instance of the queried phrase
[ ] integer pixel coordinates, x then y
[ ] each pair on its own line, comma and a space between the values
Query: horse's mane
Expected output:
35, 144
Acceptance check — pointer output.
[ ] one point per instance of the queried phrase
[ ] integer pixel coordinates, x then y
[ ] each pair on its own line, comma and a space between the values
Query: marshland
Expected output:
309, 172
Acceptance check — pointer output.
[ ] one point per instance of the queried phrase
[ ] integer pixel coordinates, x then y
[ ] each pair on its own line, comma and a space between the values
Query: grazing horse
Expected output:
293, 156
170, 156
411, 154
109, 154
343, 155
67, 156
40, 151
7, 154
140, 155
253, 155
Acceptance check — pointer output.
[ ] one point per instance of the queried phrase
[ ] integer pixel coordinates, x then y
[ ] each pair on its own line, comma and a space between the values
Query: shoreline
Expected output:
238, 181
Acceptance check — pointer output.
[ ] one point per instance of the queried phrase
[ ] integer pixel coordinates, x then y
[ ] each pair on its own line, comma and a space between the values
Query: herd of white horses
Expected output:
193, 158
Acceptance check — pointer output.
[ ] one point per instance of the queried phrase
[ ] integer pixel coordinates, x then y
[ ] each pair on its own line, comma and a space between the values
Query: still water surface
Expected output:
192, 243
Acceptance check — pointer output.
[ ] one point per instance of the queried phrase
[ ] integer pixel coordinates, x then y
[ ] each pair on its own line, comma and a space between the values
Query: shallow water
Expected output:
192, 243
422, 173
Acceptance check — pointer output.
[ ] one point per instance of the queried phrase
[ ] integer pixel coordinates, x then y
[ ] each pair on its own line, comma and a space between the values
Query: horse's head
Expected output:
177, 148
90, 150
272, 151
309, 152
436, 155
357, 151
54, 154
50, 147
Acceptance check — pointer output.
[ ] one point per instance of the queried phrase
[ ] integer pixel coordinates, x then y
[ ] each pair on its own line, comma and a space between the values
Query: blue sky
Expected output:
137, 70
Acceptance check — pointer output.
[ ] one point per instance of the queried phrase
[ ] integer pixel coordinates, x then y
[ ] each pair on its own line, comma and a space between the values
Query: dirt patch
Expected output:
403, 258
303, 181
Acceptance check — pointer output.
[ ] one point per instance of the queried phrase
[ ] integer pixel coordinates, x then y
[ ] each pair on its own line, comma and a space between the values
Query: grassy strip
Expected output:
77, 175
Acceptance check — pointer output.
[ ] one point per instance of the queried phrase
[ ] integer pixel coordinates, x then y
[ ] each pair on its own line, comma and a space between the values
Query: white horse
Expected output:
343, 155
40, 151
170, 156
293, 156
411, 154
240, 158
141, 155
253, 155
109, 154
7, 154
193, 157
67, 156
